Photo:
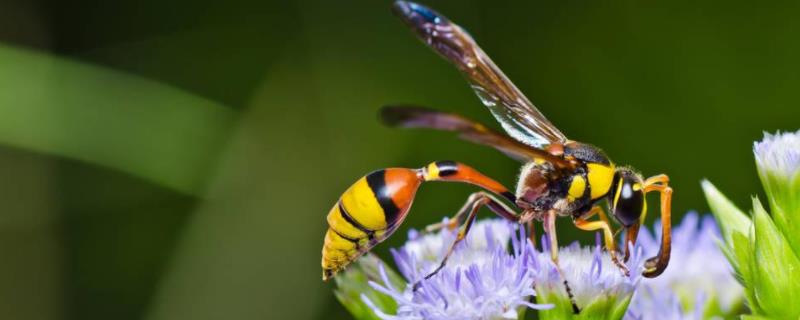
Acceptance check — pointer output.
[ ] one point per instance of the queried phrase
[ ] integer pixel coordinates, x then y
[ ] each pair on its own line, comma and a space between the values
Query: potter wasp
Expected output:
560, 177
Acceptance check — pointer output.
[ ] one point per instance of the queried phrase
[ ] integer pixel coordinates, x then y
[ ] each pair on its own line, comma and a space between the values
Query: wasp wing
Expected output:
518, 116
421, 117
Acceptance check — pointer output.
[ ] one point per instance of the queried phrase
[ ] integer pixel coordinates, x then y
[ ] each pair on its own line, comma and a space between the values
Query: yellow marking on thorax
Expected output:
362, 205
576, 188
600, 178
539, 161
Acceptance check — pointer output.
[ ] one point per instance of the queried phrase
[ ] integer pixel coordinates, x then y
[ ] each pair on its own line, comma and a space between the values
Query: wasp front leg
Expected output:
631, 233
656, 265
602, 224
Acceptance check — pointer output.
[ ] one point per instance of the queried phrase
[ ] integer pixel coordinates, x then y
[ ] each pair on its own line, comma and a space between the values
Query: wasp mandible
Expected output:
560, 177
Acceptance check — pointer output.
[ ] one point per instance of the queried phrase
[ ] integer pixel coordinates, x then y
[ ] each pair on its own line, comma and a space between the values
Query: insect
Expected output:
560, 177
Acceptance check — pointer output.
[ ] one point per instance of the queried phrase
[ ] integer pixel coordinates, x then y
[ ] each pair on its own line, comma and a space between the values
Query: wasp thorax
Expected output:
627, 197
533, 186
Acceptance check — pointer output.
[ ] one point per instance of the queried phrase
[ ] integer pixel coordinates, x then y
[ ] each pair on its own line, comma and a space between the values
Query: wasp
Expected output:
560, 177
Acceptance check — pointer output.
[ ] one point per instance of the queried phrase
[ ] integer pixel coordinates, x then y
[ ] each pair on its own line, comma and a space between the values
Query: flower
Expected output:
599, 287
700, 285
765, 251
481, 280
778, 163
779, 154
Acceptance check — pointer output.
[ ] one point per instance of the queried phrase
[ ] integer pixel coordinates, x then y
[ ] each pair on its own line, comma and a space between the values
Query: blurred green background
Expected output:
176, 160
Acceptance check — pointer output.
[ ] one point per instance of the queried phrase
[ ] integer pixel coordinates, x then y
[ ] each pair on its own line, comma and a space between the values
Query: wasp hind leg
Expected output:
470, 209
453, 223
608, 236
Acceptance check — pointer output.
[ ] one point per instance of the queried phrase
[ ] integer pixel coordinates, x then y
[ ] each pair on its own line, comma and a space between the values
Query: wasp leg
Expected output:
470, 208
656, 265
603, 216
610, 245
631, 233
450, 224
455, 221
550, 230
532, 233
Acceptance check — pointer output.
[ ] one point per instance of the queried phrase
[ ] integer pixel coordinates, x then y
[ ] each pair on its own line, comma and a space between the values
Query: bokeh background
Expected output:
176, 160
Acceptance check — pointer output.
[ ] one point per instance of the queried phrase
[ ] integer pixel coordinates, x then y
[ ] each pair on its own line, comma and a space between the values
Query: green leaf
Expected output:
776, 276
88, 113
783, 194
753, 317
743, 258
600, 307
728, 216
354, 282
713, 309
730, 255
549, 294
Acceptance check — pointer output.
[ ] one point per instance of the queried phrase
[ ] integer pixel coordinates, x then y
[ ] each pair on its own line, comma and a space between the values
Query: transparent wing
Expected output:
517, 115
421, 117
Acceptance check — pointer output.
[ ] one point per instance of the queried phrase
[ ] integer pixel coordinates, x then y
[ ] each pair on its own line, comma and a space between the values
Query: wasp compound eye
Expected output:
628, 200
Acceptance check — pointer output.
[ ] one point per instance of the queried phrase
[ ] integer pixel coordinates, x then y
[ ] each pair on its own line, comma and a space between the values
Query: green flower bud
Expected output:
778, 162
765, 250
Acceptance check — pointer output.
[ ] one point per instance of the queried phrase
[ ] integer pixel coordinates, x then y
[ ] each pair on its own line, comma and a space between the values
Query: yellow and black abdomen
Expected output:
366, 214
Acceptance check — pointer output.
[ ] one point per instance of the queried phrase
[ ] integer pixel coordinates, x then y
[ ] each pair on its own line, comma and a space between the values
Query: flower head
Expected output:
779, 154
482, 280
599, 287
701, 285
778, 162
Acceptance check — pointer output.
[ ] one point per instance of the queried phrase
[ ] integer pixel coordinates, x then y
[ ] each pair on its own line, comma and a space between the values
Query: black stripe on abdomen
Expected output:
354, 241
447, 168
346, 216
377, 182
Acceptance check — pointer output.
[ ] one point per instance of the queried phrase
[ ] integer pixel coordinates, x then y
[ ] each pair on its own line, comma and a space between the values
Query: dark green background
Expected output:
676, 87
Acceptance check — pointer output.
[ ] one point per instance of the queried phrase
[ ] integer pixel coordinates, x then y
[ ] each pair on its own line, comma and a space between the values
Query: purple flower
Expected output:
779, 153
485, 280
482, 279
698, 284
599, 287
